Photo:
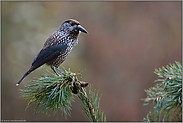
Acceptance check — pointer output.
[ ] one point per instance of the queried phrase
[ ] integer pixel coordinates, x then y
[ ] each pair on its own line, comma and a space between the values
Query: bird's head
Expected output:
72, 26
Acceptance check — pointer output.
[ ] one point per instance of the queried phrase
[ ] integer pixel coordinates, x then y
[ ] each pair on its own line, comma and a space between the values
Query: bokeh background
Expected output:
126, 42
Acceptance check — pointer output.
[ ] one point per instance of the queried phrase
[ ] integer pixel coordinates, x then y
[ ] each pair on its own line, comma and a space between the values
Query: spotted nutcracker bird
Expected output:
57, 47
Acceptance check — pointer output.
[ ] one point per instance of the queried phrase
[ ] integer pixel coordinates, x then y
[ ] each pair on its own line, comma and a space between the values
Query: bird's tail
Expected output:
27, 73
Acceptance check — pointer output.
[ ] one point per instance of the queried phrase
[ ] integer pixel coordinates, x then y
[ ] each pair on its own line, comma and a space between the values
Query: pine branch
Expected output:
166, 96
52, 93
90, 105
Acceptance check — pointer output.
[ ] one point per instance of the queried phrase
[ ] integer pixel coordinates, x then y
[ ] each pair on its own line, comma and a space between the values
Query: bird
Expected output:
57, 47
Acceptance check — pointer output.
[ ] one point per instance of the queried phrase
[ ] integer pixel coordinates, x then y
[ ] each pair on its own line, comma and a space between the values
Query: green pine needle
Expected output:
90, 104
166, 96
49, 93
52, 93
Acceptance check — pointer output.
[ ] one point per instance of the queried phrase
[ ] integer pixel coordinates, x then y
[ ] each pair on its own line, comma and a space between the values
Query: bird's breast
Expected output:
58, 38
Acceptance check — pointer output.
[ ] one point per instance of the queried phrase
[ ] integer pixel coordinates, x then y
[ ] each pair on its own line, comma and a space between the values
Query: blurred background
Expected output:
126, 42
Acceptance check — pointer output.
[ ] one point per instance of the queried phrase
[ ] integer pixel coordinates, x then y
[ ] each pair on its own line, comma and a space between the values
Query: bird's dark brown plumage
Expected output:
57, 47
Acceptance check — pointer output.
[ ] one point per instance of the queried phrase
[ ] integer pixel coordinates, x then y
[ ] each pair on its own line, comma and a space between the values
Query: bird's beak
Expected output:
80, 28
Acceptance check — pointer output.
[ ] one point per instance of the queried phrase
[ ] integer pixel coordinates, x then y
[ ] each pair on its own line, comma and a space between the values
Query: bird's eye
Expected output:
72, 24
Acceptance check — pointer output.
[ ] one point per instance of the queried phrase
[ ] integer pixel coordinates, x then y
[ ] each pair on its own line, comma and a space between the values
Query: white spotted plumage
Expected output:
62, 36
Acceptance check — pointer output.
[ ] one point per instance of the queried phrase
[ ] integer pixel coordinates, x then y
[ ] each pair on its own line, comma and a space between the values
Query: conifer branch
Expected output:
90, 105
166, 96
52, 93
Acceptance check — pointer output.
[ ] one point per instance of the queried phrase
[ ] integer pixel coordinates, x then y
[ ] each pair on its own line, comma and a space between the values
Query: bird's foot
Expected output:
58, 70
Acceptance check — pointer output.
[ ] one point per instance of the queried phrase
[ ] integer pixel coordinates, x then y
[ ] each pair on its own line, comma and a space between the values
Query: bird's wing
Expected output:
49, 54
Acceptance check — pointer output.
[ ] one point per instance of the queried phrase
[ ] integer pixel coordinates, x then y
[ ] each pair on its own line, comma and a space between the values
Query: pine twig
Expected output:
52, 93
90, 105
166, 96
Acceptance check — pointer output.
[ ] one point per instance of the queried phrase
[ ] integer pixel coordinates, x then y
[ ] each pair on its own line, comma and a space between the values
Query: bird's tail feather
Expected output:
27, 73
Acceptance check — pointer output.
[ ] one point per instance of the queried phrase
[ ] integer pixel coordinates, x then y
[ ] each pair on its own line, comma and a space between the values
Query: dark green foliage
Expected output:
49, 93
52, 93
166, 96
